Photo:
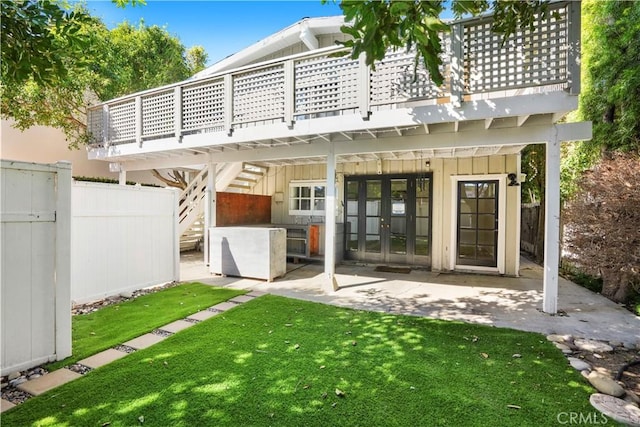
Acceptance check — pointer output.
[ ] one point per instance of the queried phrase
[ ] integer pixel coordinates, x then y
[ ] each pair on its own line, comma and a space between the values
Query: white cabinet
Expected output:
255, 252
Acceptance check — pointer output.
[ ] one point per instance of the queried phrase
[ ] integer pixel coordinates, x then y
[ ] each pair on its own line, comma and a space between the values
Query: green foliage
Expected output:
610, 95
56, 62
285, 362
196, 59
377, 26
533, 166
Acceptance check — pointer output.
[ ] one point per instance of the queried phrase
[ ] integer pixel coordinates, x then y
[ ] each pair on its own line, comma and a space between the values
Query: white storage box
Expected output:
255, 252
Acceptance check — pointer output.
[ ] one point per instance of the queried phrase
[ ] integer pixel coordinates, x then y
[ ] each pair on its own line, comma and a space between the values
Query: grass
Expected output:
115, 324
278, 361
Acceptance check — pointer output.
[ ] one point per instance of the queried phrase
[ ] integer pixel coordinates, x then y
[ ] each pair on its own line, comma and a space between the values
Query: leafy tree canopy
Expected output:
376, 26
77, 59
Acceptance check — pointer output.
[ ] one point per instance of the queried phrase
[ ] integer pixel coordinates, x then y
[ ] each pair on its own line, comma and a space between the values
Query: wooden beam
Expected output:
520, 120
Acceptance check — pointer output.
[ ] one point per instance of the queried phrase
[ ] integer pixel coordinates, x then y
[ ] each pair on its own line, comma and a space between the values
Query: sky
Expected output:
221, 27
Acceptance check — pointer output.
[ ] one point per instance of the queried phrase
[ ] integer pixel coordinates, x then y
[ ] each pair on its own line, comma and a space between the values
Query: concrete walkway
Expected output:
492, 300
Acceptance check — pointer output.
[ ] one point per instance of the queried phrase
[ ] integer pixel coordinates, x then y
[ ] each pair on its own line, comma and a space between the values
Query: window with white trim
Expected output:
307, 197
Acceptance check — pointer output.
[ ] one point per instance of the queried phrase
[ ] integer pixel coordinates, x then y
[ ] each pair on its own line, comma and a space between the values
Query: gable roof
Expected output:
304, 30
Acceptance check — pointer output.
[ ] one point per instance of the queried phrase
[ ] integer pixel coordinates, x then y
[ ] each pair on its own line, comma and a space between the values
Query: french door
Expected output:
477, 223
388, 219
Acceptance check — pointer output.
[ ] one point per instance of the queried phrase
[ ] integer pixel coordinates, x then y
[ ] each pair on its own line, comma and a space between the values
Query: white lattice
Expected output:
157, 114
122, 122
396, 78
95, 125
325, 84
258, 95
203, 105
527, 58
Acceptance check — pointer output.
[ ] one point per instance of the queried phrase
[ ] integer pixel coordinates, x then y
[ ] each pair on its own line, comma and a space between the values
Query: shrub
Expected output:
602, 232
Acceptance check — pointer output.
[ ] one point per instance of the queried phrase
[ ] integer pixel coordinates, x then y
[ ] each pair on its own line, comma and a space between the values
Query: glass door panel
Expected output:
397, 225
373, 214
477, 223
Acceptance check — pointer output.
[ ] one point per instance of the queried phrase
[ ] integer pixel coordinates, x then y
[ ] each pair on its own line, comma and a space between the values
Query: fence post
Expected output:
63, 261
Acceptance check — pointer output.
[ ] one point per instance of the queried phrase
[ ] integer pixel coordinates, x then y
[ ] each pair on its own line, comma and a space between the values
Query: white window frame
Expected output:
502, 223
312, 198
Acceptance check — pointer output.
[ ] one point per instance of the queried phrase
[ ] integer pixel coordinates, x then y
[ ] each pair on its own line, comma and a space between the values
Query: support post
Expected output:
139, 128
330, 222
63, 261
457, 65
364, 87
289, 92
209, 208
122, 176
551, 225
573, 57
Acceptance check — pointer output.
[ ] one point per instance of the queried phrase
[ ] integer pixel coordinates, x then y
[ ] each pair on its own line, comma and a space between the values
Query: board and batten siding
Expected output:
278, 178
36, 304
124, 238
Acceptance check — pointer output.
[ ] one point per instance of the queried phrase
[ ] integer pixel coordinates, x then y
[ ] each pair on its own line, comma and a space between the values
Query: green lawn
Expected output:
115, 324
278, 361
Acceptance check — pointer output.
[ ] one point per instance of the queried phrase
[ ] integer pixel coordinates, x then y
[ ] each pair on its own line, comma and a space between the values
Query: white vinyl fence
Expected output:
123, 238
35, 275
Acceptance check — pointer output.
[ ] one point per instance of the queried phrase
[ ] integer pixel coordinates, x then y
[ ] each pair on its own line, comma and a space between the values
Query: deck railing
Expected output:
475, 62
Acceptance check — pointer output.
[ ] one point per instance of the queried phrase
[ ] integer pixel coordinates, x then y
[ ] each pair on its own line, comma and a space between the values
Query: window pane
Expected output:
305, 204
352, 207
468, 237
294, 204
374, 189
486, 237
486, 189
352, 190
485, 253
486, 221
373, 207
467, 251
305, 191
422, 187
468, 205
373, 225
352, 225
352, 242
422, 207
295, 191
318, 205
467, 190
467, 221
422, 246
398, 225
422, 226
487, 206
398, 244
373, 244
319, 191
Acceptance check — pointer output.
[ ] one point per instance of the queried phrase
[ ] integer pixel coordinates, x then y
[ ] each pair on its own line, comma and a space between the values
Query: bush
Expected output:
602, 233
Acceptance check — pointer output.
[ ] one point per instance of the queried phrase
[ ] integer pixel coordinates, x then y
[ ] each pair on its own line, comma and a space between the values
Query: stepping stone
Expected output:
176, 326
241, 298
616, 409
202, 315
102, 358
593, 346
256, 294
144, 341
224, 306
5, 405
605, 385
48, 381
579, 364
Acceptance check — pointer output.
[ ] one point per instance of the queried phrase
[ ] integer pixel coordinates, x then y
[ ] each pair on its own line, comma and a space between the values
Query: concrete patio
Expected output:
492, 300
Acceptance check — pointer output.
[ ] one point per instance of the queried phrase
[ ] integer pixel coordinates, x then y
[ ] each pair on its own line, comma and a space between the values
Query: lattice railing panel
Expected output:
203, 105
122, 122
158, 114
95, 125
396, 79
258, 95
325, 84
527, 58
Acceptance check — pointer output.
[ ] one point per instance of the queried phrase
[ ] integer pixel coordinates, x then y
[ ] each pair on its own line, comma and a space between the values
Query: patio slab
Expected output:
224, 306
513, 302
202, 315
48, 381
102, 358
5, 405
176, 326
241, 298
144, 341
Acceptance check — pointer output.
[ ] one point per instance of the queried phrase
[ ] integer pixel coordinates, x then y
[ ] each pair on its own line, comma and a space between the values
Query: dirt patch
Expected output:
609, 364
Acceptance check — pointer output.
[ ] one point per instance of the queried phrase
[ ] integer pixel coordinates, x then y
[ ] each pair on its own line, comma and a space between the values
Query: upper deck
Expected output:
318, 96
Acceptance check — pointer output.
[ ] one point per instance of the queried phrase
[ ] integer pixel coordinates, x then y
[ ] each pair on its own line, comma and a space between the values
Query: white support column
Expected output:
122, 176
551, 226
209, 208
331, 285
63, 262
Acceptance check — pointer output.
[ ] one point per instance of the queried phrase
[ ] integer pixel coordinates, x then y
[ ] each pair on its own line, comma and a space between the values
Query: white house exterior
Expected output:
395, 169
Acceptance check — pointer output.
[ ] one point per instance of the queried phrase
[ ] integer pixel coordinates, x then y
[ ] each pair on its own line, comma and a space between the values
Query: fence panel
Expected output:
123, 238
36, 310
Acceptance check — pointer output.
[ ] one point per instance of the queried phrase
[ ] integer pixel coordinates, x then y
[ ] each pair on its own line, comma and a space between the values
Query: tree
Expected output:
376, 26
104, 65
196, 59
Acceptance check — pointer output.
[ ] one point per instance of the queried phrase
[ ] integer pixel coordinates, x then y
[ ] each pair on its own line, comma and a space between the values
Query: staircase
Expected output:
232, 177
